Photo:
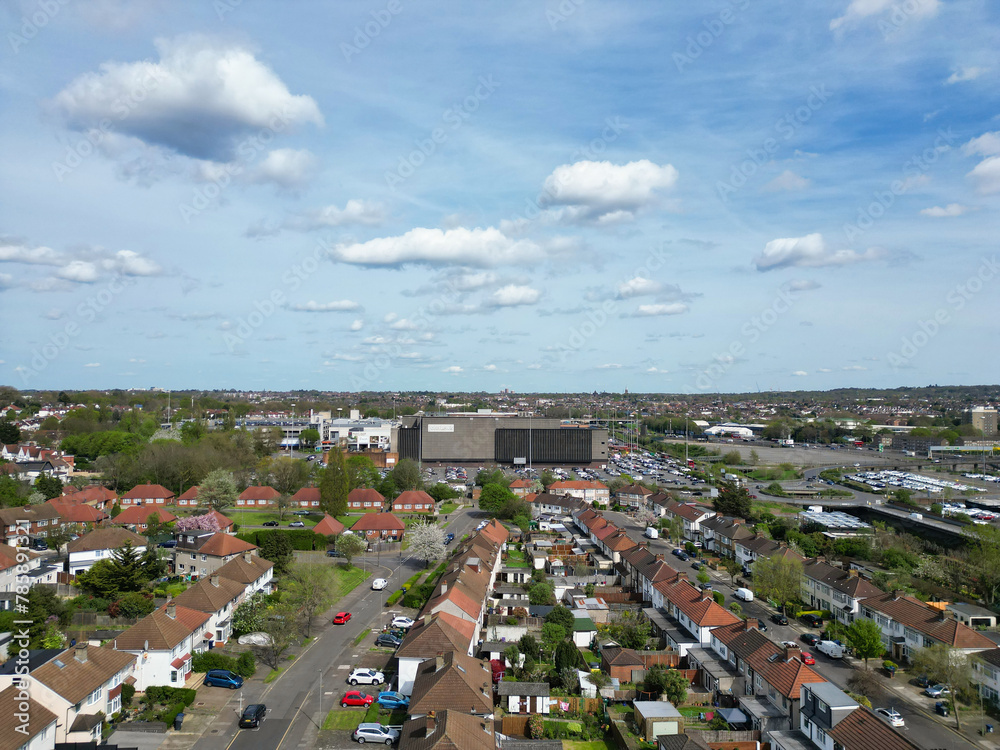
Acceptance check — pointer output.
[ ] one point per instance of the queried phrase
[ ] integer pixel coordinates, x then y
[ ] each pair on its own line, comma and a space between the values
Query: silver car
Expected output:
375, 733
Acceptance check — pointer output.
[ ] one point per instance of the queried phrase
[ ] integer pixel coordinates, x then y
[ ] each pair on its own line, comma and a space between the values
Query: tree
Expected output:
754, 458
309, 591
552, 636
441, 492
865, 682
249, 615
529, 647
778, 578
492, 476
567, 655
49, 486
570, 679
494, 498
629, 629
732, 567
984, 562
362, 472
675, 686
561, 615
114, 576
406, 475
541, 594
427, 541
736, 608
948, 666
309, 437
703, 577
865, 637
732, 501
132, 605
276, 547
350, 546
286, 475
282, 631
282, 503
218, 490
334, 485
10, 433
654, 683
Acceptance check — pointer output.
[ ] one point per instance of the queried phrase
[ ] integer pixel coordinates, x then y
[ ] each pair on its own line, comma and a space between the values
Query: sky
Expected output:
722, 196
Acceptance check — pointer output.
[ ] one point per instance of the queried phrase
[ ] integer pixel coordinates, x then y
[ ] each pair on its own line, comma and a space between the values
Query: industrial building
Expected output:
500, 438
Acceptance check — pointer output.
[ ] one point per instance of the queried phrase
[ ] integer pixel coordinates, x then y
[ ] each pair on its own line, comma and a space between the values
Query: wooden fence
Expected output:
668, 659
725, 736
514, 726
577, 705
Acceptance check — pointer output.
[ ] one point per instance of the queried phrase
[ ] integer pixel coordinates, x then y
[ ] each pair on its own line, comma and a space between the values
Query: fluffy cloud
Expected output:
638, 287
453, 370
787, 180
808, 252
131, 263
287, 167
952, 209
965, 74
12, 251
434, 247
606, 192
800, 373
354, 212
80, 271
357, 325
986, 175
514, 295
649, 311
199, 99
988, 144
860, 10
341, 305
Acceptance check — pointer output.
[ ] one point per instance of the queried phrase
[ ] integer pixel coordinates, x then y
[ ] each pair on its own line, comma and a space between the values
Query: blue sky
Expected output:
559, 196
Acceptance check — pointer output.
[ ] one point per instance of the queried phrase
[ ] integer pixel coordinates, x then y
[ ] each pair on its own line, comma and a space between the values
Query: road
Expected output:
293, 700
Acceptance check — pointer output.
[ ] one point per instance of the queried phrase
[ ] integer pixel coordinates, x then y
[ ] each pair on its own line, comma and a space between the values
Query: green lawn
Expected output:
516, 559
258, 517
361, 636
273, 675
347, 579
588, 745
448, 507
342, 718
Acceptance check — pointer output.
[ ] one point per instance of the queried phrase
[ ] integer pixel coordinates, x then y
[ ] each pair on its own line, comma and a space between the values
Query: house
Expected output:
307, 497
633, 496
695, 610
147, 494
658, 502
657, 718
74, 512
217, 597
521, 487
413, 501
587, 491
840, 591
720, 534
26, 723
384, 526
450, 729
81, 685
640, 570
430, 636
99, 544
616, 542
258, 496
189, 498
23, 563
253, 571
524, 697
95, 495
692, 515
622, 663
972, 615
329, 526
453, 680
136, 517
495, 532
365, 499
225, 523
558, 505
163, 643
201, 553
32, 521
776, 679
748, 551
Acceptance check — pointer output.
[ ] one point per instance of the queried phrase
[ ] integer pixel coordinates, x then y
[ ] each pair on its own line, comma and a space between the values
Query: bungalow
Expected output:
216, 597
365, 499
452, 680
524, 697
136, 517
383, 526
306, 497
413, 501
73, 511
329, 526
189, 498
95, 495
100, 544
258, 496
147, 494
163, 643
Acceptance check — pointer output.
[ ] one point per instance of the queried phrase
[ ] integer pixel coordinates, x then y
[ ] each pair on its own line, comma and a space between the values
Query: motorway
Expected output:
294, 712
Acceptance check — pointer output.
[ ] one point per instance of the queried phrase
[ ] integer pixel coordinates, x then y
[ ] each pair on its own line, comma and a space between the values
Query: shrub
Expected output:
212, 660
128, 693
394, 597
512, 620
889, 666
246, 665
719, 597
718, 724
536, 727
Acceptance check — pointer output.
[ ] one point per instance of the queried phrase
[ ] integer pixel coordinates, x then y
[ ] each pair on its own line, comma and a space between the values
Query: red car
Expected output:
807, 658
356, 698
341, 618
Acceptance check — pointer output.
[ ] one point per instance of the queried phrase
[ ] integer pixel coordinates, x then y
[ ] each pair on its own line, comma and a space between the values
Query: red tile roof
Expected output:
932, 622
699, 608
73, 511
378, 522
259, 492
307, 494
365, 494
191, 493
221, 544
418, 497
329, 526
495, 531
577, 484
139, 514
148, 492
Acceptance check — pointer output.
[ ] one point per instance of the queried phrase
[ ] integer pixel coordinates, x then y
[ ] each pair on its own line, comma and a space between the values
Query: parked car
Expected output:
392, 699
169, 544
402, 622
812, 621
449, 538
39, 545
223, 678
923, 681
379, 583
253, 715
269, 523
341, 618
743, 593
333, 553
830, 648
387, 639
356, 698
779, 619
363, 676
375, 733
808, 658
937, 691
761, 625
890, 715
296, 525
811, 638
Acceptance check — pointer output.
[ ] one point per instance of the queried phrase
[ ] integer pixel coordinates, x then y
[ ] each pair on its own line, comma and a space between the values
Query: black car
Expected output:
810, 638
812, 621
387, 639
334, 553
269, 523
761, 625
779, 619
449, 538
252, 716
683, 557
39, 545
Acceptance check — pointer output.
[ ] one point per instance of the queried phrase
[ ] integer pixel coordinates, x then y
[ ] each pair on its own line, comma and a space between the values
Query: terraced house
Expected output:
840, 591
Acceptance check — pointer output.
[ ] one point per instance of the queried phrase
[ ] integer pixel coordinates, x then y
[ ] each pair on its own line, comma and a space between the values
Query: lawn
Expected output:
588, 745
448, 508
258, 517
361, 636
273, 675
347, 579
341, 718
516, 559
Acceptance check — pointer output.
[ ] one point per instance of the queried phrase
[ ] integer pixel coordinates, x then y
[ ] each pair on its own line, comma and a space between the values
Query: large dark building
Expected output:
501, 439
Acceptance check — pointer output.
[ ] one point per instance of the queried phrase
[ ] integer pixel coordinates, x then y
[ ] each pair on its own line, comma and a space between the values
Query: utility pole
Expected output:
320, 698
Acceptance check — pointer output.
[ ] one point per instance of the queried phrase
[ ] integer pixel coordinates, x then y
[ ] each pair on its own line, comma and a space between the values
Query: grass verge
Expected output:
273, 675
344, 719
361, 636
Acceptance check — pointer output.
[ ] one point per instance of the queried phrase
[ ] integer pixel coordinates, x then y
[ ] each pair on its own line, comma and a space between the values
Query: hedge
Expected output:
394, 597
245, 665
304, 540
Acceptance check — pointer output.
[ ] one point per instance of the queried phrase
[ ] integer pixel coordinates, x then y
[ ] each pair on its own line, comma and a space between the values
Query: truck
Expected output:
831, 648
744, 594
651, 533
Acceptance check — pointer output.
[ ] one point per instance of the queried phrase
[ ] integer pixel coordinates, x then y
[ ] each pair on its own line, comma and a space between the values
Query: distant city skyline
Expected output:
559, 197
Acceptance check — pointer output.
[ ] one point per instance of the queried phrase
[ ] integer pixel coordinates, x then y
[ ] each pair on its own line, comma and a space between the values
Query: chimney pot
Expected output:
80, 652
898, 594
792, 652
246, 557
215, 580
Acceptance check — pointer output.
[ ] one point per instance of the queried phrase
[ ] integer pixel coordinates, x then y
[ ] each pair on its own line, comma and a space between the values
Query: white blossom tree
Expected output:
427, 541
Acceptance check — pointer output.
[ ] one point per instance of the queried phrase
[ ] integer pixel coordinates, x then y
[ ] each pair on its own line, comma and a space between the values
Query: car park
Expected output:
356, 698
891, 716
402, 622
252, 716
223, 678
369, 732
364, 676
379, 583
341, 618
387, 639
392, 699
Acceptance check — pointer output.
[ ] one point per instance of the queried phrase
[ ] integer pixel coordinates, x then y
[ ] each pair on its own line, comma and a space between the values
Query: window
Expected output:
194, 556
173, 675
821, 735
95, 696
180, 566
204, 558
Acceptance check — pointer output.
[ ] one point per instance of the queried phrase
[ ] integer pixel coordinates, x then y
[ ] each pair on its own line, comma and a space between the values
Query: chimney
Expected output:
215, 580
707, 595
80, 652
444, 588
792, 652
660, 558
898, 594
246, 558
750, 623
172, 610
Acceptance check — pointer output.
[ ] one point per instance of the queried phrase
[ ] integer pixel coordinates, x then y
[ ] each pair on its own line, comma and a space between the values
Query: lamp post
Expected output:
320, 698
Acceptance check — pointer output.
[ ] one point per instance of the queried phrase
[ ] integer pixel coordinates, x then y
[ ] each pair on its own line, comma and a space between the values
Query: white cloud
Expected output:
340, 305
800, 373
287, 167
514, 295
357, 325
80, 271
454, 369
986, 175
965, 74
359, 212
648, 311
824, 369
340, 357
16, 252
803, 285
54, 314
403, 324
93, 364
787, 180
132, 263
610, 366
602, 191
857, 368
490, 368
433, 247
808, 252
952, 209
656, 371
638, 287
988, 144
859, 10
199, 99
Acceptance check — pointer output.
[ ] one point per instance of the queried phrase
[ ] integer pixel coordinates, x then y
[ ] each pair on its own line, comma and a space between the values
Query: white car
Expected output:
362, 676
379, 583
402, 622
890, 715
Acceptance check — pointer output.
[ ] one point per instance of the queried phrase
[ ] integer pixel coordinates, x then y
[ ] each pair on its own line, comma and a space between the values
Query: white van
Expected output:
651, 533
831, 649
744, 594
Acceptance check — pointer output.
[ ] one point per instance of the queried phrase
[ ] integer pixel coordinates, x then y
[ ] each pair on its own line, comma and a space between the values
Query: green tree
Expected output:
192, 432
865, 637
218, 490
703, 577
552, 636
567, 654
309, 437
350, 546
754, 458
44, 607
732, 501
541, 594
778, 578
286, 475
629, 629
114, 576
494, 475
561, 615
529, 647
276, 547
334, 485
406, 475
984, 562
10, 433
309, 590
441, 492
675, 686
249, 615
654, 683
281, 627
50, 487
495, 497
362, 472
948, 666
132, 605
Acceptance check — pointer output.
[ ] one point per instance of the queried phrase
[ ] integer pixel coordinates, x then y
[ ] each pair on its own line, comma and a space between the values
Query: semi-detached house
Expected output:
840, 591
163, 643
217, 597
